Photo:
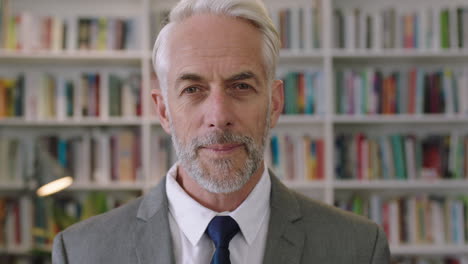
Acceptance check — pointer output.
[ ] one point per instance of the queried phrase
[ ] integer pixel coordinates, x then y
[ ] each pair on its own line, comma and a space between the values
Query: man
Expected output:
218, 99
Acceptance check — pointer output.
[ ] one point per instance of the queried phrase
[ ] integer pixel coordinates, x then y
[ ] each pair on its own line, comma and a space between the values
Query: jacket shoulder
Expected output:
337, 224
115, 220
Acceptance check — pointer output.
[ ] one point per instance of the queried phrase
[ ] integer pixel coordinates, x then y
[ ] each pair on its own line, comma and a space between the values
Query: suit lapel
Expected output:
152, 235
285, 240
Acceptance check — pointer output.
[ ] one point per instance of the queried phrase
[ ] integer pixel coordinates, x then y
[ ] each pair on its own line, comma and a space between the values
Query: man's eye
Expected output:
191, 90
242, 86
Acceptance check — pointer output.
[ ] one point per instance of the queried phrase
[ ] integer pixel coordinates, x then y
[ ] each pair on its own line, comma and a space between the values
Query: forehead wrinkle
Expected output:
244, 75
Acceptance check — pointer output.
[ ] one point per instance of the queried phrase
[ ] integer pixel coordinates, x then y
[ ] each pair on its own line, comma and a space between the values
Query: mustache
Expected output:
224, 137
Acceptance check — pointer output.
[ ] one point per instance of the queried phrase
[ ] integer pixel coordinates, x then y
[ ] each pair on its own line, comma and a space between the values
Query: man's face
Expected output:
219, 108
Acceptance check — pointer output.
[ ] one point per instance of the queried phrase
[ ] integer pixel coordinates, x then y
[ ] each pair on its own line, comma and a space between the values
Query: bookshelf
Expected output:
313, 51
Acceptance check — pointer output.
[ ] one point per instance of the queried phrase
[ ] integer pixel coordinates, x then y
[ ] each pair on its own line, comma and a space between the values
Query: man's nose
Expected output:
219, 112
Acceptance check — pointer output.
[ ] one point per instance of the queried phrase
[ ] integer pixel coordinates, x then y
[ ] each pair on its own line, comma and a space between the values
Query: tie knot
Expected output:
221, 230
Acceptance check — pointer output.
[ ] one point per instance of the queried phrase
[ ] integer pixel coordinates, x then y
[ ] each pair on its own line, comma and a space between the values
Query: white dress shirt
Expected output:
188, 220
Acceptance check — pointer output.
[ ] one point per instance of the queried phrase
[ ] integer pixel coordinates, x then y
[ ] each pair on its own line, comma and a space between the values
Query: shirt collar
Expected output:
193, 218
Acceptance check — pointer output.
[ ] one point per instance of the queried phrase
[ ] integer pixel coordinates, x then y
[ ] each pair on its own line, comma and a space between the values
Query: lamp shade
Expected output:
50, 175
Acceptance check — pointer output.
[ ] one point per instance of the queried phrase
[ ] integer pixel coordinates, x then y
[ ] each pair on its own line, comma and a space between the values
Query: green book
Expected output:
115, 96
96, 203
364, 92
291, 106
398, 157
358, 207
339, 86
460, 27
445, 29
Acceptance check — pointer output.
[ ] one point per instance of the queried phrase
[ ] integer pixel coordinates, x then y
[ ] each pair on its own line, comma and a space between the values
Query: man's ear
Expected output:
277, 102
161, 109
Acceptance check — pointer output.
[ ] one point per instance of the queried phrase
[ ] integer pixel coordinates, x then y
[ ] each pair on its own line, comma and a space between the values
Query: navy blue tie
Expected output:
221, 230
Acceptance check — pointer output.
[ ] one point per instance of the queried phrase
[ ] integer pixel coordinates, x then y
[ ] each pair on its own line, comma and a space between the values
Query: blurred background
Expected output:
375, 118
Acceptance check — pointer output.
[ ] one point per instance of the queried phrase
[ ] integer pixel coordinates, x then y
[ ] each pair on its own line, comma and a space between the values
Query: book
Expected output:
297, 157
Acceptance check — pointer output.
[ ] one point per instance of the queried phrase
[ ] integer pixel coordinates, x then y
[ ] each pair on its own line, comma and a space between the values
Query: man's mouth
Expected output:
223, 148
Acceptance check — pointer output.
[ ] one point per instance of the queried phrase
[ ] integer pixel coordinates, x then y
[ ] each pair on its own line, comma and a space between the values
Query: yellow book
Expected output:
102, 34
2, 99
126, 142
10, 42
308, 164
9, 105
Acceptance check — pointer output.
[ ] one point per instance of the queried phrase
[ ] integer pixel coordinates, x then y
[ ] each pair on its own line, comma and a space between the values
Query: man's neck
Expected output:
219, 202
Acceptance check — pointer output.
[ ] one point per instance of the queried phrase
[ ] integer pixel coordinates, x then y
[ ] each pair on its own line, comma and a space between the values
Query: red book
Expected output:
412, 92
360, 169
136, 156
283, 16
386, 220
432, 160
386, 96
19, 44
392, 95
408, 32
47, 40
301, 93
113, 154
97, 89
433, 96
16, 211
320, 159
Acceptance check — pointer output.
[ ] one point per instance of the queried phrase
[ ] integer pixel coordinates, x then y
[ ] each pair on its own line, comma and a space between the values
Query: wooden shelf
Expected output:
11, 187
19, 122
304, 185
298, 56
301, 119
398, 54
112, 186
461, 185
401, 119
429, 250
122, 56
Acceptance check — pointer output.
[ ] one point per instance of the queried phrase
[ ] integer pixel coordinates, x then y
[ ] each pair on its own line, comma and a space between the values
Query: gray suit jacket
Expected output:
300, 231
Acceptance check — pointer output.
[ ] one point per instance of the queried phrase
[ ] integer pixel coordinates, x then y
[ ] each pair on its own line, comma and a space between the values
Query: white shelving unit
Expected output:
326, 58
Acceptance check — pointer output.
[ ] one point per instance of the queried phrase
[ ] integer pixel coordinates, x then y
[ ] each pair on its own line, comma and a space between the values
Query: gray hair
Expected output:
253, 11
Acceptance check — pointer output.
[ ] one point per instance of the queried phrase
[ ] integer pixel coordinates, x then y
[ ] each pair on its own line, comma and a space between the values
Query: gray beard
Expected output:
220, 175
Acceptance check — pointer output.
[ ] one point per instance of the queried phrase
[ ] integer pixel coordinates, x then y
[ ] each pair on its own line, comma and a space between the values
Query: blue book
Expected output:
309, 93
275, 151
18, 96
416, 31
420, 91
62, 152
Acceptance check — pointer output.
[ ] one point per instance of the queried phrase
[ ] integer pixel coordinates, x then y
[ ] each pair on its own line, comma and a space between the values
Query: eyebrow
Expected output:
236, 77
190, 77
243, 76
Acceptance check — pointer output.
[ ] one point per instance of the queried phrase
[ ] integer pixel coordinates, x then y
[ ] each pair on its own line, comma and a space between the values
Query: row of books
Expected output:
11, 96
95, 156
28, 31
401, 156
12, 156
413, 91
296, 157
427, 28
100, 156
415, 219
29, 222
52, 96
303, 93
15, 227
163, 155
430, 260
107, 33
300, 27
